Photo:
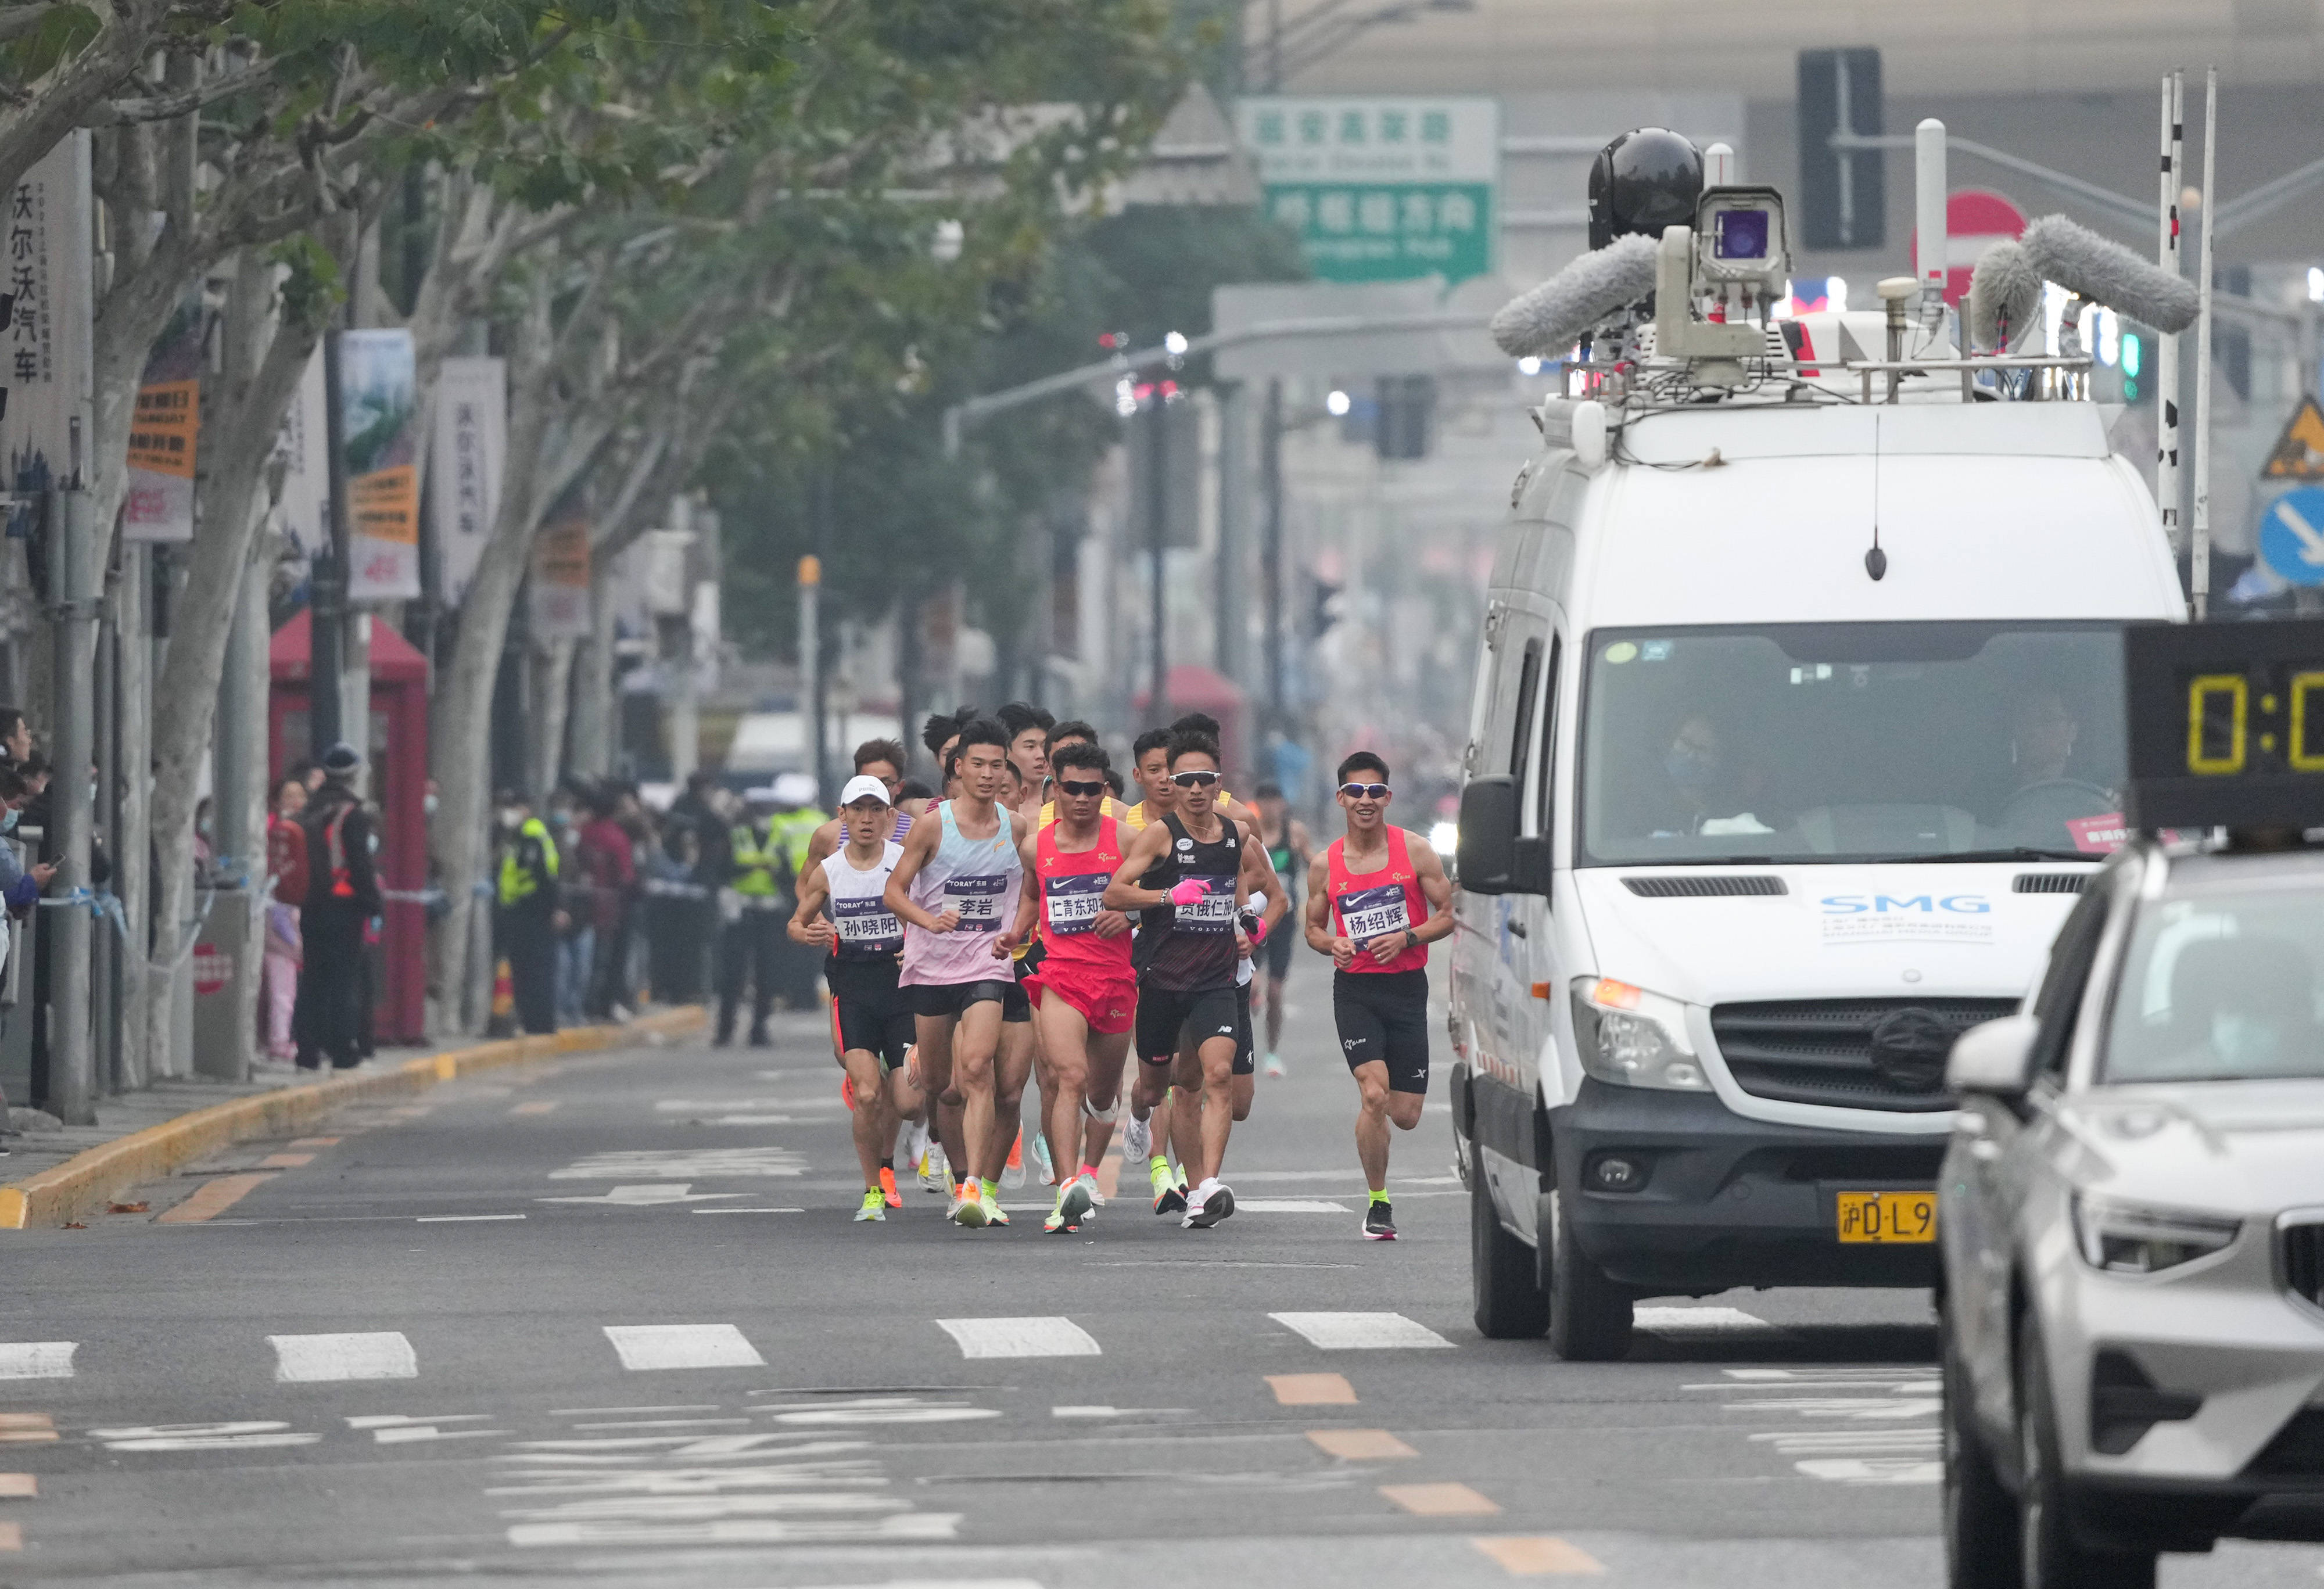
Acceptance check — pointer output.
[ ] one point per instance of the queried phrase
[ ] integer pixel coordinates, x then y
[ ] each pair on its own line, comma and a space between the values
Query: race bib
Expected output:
1368, 912
978, 900
1214, 912
867, 929
1073, 901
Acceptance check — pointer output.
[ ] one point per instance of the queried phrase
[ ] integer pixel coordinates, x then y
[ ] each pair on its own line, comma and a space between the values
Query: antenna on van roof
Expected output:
1875, 561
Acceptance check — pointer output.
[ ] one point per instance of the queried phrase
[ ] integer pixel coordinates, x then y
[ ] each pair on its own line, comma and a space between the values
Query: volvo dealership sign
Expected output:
1380, 190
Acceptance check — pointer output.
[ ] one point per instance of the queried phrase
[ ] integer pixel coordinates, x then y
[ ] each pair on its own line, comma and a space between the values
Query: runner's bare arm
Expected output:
1152, 843
1029, 897
1260, 877
807, 926
822, 842
1428, 868
1320, 936
918, 845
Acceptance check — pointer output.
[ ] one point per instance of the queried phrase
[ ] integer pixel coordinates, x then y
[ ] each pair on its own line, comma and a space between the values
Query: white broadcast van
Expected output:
1757, 821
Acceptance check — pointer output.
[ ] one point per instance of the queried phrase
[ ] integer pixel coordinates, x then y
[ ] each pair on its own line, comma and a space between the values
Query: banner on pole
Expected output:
464, 481
161, 438
304, 508
559, 589
379, 424
45, 429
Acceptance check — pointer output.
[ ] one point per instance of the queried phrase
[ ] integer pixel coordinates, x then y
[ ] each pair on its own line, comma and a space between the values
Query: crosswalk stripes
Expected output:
1020, 1337
658, 1346
380, 1355
1357, 1332
36, 1360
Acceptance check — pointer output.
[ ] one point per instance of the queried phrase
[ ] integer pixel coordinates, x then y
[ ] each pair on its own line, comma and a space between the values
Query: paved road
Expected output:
439, 1342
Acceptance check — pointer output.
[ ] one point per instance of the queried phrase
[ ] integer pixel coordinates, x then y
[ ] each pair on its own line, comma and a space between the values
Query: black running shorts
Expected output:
880, 1026
1384, 1015
1246, 1056
950, 998
1165, 1019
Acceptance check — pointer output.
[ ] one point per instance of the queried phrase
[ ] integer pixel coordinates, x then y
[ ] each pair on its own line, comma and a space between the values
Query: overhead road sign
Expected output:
2299, 452
1379, 188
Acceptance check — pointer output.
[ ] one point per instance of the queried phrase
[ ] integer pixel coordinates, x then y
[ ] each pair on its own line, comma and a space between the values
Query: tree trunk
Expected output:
594, 727
58, 101
133, 873
552, 677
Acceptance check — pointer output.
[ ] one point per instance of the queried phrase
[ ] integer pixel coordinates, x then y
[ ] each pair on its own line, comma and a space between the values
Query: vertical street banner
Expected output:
469, 449
1380, 189
379, 431
162, 433
303, 510
559, 601
45, 429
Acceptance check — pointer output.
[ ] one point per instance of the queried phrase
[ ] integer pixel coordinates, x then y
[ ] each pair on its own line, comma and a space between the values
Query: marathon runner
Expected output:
1190, 874
1288, 845
882, 759
842, 908
953, 888
1384, 898
1085, 991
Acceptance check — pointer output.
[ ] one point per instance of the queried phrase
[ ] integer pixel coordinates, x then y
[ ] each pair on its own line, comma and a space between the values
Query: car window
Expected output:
2223, 986
2059, 1001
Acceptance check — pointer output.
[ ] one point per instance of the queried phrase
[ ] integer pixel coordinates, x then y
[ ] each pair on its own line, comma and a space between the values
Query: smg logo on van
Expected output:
1891, 919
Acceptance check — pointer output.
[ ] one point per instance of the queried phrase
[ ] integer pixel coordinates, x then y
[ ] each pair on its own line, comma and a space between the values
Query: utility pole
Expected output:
72, 1071
1158, 534
327, 649
1270, 546
810, 655
685, 711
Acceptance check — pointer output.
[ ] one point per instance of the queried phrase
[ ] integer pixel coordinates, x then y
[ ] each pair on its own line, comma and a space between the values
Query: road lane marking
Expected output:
648, 1195
750, 1210
19, 1486
534, 1108
1288, 1206
36, 1360
1440, 1500
286, 1162
667, 1423
461, 1218
1019, 1337
12, 1535
211, 1199
1311, 1390
644, 1347
370, 1354
1359, 1445
1360, 1332
683, 1164
610, 1411
1698, 1318
1536, 1555
26, 1428
1118, 1411
315, 1142
226, 1436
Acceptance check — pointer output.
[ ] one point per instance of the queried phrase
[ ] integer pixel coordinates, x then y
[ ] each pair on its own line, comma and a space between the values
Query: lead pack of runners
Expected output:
1026, 923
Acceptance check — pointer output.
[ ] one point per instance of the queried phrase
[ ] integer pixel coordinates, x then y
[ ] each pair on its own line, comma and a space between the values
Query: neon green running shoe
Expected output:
875, 1207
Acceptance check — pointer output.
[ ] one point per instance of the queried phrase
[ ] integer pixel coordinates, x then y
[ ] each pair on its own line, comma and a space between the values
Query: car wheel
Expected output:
1981, 1548
1510, 1305
2051, 1555
1589, 1315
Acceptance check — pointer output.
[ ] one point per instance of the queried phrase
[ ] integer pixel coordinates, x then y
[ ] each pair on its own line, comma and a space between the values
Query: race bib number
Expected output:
1214, 912
978, 900
1073, 901
1368, 912
867, 929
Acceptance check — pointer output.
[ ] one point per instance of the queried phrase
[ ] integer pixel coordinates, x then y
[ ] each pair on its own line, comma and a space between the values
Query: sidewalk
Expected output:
54, 1177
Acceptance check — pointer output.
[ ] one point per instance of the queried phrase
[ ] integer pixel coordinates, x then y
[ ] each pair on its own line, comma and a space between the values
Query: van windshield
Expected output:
1851, 742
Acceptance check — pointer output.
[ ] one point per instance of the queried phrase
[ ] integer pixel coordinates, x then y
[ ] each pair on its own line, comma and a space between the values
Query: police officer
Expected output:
795, 823
759, 902
532, 915
342, 895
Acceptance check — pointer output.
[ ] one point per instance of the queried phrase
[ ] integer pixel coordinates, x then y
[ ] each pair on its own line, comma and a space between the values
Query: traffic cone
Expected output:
503, 1021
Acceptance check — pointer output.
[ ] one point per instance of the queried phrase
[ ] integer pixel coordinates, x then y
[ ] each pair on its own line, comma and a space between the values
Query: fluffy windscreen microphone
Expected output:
2081, 261
1549, 320
2004, 287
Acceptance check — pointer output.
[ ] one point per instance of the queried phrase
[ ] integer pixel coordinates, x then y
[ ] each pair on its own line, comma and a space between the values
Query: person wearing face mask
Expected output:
532, 911
342, 896
286, 871
1703, 782
576, 943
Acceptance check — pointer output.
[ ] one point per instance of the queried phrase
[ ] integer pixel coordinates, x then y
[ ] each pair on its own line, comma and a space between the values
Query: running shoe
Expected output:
1089, 1185
1137, 1139
1076, 1197
1274, 1064
1041, 1161
1379, 1225
1065, 1217
969, 1211
935, 1175
993, 1213
875, 1207
1216, 1205
1167, 1196
888, 1192
1012, 1174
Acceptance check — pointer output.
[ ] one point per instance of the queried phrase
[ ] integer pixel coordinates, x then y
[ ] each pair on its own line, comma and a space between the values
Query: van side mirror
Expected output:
1996, 1057
1487, 853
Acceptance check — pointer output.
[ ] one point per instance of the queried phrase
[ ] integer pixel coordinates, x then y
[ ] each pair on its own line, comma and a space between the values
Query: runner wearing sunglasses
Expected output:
1384, 900
1190, 874
1084, 993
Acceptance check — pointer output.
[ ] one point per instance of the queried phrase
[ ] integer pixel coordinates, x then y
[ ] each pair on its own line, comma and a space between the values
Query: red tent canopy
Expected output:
291, 654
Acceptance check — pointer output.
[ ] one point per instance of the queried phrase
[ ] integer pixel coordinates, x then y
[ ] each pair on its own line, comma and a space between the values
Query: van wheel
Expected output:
1589, 1315
1510, 1305
2052, 1554
1981, 1548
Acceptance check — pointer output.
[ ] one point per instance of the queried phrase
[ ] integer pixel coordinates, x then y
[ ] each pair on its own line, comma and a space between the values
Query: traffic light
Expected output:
1843, 192
1320, 617
1407, 419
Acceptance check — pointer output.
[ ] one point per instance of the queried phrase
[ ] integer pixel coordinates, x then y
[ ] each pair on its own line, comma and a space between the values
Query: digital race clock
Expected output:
2227, 724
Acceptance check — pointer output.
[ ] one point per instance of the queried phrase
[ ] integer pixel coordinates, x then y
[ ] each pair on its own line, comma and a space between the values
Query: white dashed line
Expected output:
1356, 1332
658, 1346
1698, 1318
379, 1355
36, 1360
1019, 1337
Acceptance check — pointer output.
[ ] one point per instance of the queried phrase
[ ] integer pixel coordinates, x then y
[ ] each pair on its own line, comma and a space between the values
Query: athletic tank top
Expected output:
1366, 904
979, 878
868, 931
1072, 888
1192, 949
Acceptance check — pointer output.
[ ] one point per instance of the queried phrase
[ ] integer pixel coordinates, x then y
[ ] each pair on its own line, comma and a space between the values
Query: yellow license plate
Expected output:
1887, 1216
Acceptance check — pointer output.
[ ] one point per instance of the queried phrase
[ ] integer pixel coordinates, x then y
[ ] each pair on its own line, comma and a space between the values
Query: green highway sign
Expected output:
1380, 190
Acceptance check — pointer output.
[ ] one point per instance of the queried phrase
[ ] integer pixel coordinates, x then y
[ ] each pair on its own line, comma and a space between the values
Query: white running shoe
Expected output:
1274, 1066
1137, 1140
935, 1175
1041, 1159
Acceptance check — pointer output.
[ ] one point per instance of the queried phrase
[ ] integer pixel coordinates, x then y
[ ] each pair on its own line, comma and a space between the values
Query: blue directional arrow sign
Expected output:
2292, 536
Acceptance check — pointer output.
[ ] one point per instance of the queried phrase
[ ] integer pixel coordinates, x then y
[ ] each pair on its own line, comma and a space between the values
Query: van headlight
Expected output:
1632, 1037
2124, 1238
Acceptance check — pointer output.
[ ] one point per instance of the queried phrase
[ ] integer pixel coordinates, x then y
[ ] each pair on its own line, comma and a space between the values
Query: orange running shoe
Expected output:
888, 1188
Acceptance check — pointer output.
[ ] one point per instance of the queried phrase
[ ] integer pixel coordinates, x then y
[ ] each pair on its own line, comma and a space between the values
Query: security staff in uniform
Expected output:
532, 913
797, 966
342, 895
759, 900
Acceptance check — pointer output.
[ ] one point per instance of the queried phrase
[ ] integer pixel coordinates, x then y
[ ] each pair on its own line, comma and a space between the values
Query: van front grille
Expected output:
1729, 886
1855, 1053
2302, 1249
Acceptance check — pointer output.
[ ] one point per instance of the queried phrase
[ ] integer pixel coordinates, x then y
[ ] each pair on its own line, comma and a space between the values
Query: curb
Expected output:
89, 1180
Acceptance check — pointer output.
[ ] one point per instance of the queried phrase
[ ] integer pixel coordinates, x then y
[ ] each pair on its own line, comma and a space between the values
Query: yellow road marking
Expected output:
1440, 1500
315, 1142
1536, 1555
1309, 1390
26, 1428
19, 1486
12, 1535
286, 1160
1359, 1445
532, 1108
214, 1198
